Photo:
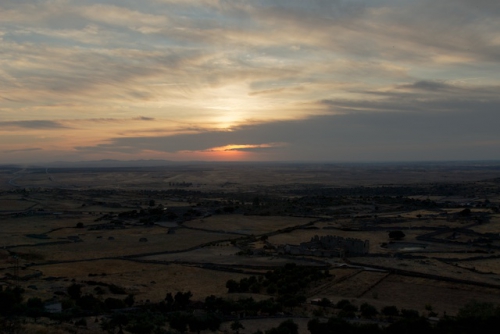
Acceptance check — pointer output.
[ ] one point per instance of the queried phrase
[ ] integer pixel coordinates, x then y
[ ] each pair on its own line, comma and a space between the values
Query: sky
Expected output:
254, 80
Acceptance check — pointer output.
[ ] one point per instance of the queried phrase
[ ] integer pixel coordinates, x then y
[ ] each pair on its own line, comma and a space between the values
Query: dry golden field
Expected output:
95, 244
431, 267
241, 176
247, 224
224, 256
415, 293
144, 280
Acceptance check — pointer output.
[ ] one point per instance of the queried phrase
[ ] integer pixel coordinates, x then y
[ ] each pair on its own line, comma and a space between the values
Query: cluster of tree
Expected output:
475, 317
176, 310
286, 327
229, 307
180, 313
368, 311
11, 301
142, 322
180, 184
11, 304
396, 235
179, 302
81, 304
286, 280
147, 321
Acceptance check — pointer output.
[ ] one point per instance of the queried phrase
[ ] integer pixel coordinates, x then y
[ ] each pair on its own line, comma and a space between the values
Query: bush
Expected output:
117, 290
75, 291
286, 327
390, 311
409, 313
81, 323
397, 235
368, 311
346, 305
114, 303
325, 302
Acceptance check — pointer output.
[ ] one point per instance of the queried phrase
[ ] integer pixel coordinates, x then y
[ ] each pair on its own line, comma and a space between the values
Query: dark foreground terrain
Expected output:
280, 248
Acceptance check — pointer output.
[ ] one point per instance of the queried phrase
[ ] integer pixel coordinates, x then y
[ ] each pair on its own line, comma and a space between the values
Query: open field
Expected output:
144, 280
353, 287
486, 266
430, 267
34, 230
415, 293
126, 242
239, 176
224, 256
246, 224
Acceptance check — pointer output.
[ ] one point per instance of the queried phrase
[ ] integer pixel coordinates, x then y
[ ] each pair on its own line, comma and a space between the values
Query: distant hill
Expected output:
109, 163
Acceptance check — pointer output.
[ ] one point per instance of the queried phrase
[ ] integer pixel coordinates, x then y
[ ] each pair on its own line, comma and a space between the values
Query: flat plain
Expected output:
193, 227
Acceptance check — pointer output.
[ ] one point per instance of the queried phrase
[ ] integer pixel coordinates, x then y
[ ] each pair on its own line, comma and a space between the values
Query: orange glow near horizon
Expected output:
217, 155
226, 153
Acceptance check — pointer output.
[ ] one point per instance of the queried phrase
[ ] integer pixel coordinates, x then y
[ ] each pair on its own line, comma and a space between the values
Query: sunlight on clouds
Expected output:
233, 104
75, 75
121, 16
247, 147
452, 59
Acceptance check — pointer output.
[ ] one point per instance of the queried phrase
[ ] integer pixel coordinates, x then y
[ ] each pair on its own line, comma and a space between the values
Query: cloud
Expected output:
194, 66
388, 129
123, 17
361, 136
33, 124
144, 118
23, 150
426, 86
258, 149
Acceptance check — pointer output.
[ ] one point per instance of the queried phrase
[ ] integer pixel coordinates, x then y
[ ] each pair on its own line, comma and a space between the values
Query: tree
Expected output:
129, 300
89, 303
236, 326
478, 310
397, 235
35, 308
325, 302
367, 310
286, 327
232, 286
465, 212
116, 320
179, 321
11, 325
410, 326
9, 299
114, 303
390, 311
316, 327
75, 291
182, 299
409, 313
169, 299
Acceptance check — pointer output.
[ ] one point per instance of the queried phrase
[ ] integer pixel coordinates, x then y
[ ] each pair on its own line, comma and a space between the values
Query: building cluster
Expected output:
328, 246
